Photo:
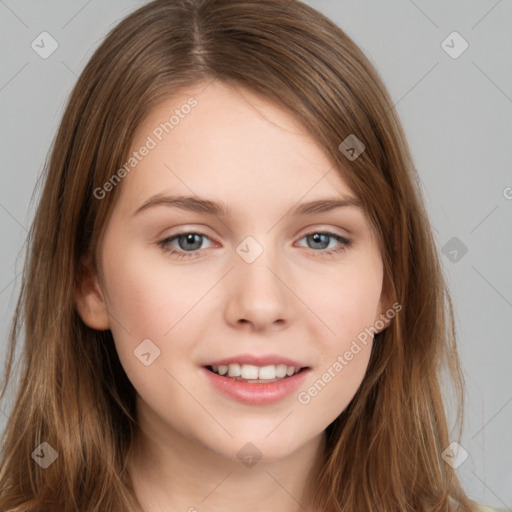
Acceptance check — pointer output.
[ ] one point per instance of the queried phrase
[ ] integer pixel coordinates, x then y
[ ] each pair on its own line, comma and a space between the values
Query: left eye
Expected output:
321, 238
190, 243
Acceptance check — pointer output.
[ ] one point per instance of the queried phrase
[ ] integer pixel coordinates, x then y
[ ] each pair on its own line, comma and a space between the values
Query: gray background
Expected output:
456, 114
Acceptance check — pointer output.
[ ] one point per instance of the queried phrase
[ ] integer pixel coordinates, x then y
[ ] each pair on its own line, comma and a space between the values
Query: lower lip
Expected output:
255, 393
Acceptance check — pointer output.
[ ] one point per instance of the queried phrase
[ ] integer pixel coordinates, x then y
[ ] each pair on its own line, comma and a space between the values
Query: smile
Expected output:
255, 391
255, 374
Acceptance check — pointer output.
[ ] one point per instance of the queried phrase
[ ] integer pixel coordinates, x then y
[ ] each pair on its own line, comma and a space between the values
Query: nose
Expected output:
259, 295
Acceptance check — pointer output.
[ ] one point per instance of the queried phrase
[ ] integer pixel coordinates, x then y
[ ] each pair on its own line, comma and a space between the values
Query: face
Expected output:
184, 285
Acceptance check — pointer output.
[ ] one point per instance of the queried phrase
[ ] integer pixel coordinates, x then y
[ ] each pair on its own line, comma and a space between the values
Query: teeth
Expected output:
251, 372
281, 370
248, 371
234, 370
266, 372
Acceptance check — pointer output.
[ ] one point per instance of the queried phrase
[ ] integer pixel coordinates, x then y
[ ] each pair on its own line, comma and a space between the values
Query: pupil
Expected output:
190, 238
317, 239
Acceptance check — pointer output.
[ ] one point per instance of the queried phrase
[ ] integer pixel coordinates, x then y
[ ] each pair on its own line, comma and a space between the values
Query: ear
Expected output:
385, 312
89, 300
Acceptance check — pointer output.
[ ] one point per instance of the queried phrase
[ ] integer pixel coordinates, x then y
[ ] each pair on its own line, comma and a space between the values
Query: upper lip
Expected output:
263, 360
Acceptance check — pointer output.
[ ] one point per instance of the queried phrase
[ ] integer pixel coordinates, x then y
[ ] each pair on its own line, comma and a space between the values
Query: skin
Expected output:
293, 300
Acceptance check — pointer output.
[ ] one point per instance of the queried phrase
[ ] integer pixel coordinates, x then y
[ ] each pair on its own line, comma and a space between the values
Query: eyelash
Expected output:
165, 244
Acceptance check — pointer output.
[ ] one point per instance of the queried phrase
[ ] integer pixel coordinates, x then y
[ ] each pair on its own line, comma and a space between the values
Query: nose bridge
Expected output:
258, 264
257, 292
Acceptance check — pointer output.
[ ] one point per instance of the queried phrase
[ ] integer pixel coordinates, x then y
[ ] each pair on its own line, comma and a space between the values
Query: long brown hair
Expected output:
384, 451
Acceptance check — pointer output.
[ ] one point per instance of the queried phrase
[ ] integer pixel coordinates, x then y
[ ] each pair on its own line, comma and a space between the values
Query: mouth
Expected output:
255, 385
255, 374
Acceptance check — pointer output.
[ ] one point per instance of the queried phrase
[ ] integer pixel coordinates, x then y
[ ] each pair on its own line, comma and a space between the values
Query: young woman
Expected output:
232, 297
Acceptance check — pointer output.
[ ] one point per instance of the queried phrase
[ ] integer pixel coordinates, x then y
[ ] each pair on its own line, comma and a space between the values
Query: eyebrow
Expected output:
220, 209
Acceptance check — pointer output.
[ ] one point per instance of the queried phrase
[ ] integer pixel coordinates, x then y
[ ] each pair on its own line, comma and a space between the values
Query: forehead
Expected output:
223, 141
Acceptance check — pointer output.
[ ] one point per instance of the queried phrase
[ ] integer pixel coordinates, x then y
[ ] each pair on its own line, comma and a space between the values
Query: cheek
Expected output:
344, 300
150, 299
347, 308
329, 391
344, 360
149, 296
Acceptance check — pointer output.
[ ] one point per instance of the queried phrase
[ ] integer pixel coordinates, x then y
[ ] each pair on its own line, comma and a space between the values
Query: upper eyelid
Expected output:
305, 231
